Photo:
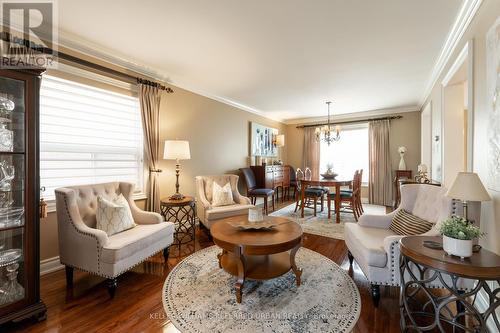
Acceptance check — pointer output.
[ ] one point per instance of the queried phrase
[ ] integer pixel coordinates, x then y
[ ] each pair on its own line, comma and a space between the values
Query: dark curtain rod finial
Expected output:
154, 84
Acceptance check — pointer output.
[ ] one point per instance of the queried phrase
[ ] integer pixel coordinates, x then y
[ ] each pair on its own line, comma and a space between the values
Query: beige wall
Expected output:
404, 132
218, 135
453, 122
484, 19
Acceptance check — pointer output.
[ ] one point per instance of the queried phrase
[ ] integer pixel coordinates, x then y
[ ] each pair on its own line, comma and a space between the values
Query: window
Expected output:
88, 135
348, 154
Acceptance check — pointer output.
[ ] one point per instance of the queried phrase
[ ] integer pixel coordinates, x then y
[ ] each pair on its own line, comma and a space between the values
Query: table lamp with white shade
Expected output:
468, 187
280, 142
176, 150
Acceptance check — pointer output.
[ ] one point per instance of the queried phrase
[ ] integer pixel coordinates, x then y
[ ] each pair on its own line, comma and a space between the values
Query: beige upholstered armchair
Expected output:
376, 248
208, 214
84, 247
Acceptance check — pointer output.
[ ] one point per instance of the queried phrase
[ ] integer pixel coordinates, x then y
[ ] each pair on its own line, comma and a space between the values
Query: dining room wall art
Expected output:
263, 140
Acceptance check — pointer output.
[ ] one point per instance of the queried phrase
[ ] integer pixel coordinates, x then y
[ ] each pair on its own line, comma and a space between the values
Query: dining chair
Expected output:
293, 183
253, 192
308, 176
349, 198
359, 203
313, 194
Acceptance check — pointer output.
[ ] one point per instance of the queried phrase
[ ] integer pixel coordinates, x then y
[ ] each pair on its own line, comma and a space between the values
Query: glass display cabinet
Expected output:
19, 196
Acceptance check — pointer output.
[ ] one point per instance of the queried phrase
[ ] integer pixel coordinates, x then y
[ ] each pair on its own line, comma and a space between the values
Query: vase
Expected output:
402, 163
458, 247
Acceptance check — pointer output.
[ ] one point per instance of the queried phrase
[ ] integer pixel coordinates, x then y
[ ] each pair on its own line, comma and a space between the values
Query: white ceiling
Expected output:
284, 58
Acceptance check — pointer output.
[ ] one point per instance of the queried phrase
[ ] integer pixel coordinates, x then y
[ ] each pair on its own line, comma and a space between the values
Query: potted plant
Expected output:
458, 234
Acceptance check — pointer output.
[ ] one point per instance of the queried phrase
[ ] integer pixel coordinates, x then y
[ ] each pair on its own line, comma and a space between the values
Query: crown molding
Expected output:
464, 18
354, 115
96, 51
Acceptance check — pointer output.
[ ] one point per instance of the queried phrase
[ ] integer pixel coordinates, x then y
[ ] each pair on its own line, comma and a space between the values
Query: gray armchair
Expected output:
84, 247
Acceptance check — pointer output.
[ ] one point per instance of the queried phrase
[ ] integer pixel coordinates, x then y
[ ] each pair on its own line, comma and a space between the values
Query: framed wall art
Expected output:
263, 140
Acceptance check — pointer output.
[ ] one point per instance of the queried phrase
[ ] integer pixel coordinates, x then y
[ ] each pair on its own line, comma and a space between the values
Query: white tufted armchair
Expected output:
83, 246
376, 248
209, 214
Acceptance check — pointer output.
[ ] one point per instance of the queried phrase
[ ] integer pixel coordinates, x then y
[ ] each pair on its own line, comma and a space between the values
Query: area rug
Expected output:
198, 296
320, 224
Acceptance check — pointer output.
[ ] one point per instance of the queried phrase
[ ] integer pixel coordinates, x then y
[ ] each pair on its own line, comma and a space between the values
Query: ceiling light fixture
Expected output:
326, 130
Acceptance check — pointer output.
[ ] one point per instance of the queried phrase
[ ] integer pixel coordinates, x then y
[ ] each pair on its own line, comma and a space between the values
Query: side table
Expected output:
447, 309
183, 214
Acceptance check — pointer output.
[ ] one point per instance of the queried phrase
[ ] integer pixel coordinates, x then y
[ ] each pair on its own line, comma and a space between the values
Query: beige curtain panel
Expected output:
380, 182
150, 98
311, 152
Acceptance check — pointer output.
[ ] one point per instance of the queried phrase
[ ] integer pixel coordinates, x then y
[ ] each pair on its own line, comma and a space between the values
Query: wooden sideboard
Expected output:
273, 177
398, 176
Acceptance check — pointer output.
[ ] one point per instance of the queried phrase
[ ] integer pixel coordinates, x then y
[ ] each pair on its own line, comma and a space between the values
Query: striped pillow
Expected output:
406, 224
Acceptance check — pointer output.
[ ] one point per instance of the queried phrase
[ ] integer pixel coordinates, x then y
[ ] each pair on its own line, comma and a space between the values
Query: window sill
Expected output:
51, 204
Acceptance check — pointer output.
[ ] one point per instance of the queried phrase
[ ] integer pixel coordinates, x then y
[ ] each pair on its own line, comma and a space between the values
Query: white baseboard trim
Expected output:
482, 304
50, 265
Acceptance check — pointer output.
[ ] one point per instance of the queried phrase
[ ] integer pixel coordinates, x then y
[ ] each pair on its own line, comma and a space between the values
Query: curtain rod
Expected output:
5, 36
351, 121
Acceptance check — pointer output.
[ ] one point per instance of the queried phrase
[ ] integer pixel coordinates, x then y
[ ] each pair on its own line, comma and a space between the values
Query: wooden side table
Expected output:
449, 309
183, 214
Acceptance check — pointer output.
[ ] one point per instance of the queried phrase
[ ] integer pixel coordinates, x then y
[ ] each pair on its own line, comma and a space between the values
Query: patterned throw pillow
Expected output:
222, 196
113, 216
406, 224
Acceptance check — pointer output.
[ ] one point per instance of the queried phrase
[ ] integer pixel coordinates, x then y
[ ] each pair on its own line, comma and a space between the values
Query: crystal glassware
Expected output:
7, 173
11, 291
6, 199
6, 136
6, 104
11, 217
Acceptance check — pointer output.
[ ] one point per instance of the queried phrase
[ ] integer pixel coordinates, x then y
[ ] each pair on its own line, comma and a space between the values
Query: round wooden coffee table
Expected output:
257, 254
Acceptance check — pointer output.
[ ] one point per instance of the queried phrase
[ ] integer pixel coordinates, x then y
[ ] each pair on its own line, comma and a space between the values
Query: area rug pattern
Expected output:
198, 296
320, 224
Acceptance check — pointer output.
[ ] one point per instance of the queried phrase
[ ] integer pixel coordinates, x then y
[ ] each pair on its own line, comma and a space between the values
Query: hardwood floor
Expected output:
137, 306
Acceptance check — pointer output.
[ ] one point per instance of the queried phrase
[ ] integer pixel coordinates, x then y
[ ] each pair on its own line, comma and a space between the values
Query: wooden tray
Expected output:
266, 224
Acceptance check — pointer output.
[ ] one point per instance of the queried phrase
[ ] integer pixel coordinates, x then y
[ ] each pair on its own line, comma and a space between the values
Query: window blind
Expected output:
87, 136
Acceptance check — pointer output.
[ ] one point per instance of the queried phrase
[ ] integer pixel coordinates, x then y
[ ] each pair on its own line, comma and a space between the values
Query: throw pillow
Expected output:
113, 216
406, 224
222, 196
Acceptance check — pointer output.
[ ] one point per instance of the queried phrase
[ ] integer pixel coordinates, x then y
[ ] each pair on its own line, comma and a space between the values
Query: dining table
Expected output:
337, 183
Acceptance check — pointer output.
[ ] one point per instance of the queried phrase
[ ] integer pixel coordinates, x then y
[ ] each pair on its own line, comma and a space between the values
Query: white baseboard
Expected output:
482, 304
50, 265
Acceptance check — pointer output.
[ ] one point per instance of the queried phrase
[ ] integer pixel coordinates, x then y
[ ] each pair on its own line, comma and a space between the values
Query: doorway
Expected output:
457, 117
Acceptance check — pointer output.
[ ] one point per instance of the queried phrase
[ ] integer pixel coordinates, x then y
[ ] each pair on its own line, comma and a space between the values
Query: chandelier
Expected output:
326, 133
